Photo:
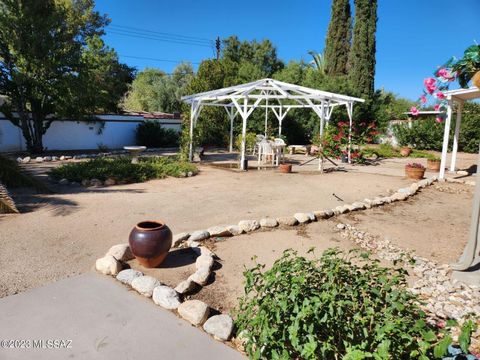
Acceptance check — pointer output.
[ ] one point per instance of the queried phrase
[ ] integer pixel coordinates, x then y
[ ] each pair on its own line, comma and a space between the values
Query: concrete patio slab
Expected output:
98, 319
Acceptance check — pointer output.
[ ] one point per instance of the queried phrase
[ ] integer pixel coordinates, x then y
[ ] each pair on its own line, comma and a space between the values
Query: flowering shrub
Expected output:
415, 166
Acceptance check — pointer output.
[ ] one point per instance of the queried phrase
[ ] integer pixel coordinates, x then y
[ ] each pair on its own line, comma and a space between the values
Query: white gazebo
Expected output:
458, 96
278, 96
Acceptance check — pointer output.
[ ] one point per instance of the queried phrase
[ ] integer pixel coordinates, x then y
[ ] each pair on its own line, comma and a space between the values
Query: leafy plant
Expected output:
250, 139
467, 66
423, 135
7, 205
150, 133
415, 166
122, 170
11, 175
339, 306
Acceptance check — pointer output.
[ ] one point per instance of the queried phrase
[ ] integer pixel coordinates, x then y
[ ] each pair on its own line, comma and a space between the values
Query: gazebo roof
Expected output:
270, 89
463, 94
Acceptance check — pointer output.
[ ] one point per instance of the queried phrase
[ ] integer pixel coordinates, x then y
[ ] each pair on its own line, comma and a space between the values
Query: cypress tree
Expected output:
337, 44
362, 55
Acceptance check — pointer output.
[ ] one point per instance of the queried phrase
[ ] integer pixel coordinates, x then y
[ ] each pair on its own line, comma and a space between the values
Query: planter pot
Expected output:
285, 168
476, 79
405, 151
344, 158
433, 164
150, 242
414, 173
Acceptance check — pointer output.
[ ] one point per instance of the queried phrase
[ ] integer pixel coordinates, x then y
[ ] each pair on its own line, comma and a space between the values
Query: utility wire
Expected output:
162, 60
158, 39
172, 35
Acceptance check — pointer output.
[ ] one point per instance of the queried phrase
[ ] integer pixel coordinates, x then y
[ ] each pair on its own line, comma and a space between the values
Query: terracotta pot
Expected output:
414, 173
285, 168
433, 164
150, 242
476, 79
405, 151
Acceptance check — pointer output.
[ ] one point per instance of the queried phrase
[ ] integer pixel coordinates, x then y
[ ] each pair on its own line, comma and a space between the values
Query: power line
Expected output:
155, 59
124, 33
179, 36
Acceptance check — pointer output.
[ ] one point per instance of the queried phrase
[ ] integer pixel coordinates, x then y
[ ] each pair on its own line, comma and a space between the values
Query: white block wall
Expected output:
119, 131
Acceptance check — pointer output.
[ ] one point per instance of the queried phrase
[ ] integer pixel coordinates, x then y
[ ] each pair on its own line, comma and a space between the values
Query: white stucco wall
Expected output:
119, 131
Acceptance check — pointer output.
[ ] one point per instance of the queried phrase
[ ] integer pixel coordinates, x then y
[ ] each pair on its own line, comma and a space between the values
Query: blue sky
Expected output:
413, 37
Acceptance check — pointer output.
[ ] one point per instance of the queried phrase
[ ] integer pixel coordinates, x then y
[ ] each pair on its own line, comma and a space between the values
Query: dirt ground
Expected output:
61, 234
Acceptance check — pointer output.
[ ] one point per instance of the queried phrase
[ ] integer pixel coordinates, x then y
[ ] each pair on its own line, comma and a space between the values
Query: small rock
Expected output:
287, 220
86, 182
202, 250
54, 158
219, 231
96, 182
204, 261
358, 205
234, 230
340, 226
47, 158
248, 225
110, 182
166, 297
200, 276
268, 223
108, 265
185, 286
19, 160
26, 159
62, 158
121, 252
329, 212
64, 182
180, 238
194, 311
126, 276
302, 218
190, 174
462, 172
145, 285
321, 214
199, 235
39, 159
219, 326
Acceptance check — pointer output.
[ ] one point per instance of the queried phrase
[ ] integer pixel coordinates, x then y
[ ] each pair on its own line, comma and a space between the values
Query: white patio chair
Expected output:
279, 147
258, 138
265, 150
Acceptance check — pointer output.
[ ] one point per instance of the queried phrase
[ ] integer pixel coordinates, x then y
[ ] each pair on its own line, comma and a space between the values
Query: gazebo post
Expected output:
231, 115
446, 134
280, 119
244, 115
194, 112
266, 117
350, 115
322, 117
455, 137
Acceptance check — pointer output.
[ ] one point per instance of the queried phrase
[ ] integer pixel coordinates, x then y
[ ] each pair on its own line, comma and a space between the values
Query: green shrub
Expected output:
470, 130
337, 306
423, 135
150, 133
121, 169
12, 176
250, 141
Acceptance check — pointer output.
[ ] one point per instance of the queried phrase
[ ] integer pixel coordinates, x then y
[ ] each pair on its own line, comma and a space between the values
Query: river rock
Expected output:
219, 231
178, 239
204, 261
268, 223
86, 182
108, 265
39, 159
234, 230
19, 160
219, 326
121, 252
321, 214
194, 311
302, 218
126, 276
26, 159
248, 225
200, 276
47, 158
185, 286
166, 297
110, 182
64, 181
96, 182
202, 250
199, 235
145, 285
287, 220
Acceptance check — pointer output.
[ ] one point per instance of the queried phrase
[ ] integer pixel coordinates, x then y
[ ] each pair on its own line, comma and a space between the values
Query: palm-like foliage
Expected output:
318, 61
7, 205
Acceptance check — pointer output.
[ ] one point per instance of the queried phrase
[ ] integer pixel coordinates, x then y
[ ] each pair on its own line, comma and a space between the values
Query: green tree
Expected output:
53, 64
337, 45
154, 90
362, 54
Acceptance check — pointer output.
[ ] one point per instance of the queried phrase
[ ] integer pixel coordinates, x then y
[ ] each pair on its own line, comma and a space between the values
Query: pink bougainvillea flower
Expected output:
430, 85
439, 119
414, 111
439, 95
445, 74
423, 99
437, 107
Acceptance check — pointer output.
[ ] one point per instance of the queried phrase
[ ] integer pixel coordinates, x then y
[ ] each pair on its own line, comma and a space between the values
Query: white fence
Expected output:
118, 131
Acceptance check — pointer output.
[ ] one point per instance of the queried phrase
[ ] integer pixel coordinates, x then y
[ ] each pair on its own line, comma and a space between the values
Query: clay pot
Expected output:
433, 164
476, 79
285, 168
414, 173
150, 242
405, 151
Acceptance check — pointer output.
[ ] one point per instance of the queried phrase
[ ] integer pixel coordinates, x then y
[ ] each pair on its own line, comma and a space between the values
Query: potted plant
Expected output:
414, 171
433, 163
468, 67
405, 151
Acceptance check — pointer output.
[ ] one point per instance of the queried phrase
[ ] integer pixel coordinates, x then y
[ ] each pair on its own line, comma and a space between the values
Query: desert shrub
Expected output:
121, 169
388, 151
337, 306
423, 135
12, 176
151, 134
